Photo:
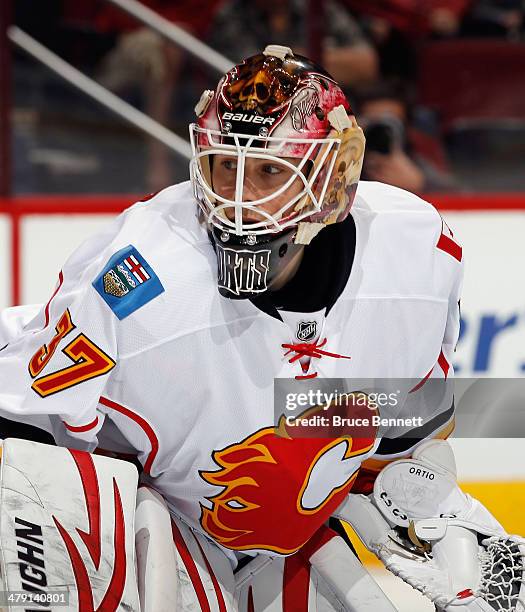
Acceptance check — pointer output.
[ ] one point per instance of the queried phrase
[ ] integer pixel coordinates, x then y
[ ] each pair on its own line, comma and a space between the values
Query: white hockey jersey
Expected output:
137, 347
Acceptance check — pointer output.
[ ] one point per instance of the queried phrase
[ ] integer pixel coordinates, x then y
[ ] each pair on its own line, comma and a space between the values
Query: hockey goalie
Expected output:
162, 348
75, 534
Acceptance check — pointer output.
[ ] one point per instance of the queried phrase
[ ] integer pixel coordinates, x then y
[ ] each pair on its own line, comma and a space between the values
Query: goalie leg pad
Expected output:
177, 568
66, 526
156, 554
324, 576
204, 573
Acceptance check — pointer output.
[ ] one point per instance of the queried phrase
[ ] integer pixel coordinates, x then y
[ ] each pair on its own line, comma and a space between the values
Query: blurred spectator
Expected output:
395, 49
414, 18
503, 18
244, 27
396, 27
444, 18
145, 60
396, 152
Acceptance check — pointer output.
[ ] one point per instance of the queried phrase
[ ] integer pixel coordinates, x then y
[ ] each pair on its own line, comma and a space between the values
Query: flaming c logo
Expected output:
277, 490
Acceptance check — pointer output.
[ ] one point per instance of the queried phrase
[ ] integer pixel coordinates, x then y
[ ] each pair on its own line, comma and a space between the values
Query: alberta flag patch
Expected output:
127, 282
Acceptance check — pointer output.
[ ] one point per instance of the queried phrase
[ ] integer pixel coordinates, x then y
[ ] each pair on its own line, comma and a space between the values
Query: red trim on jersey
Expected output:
142, 423
422, 381
191, 568
88, 476
82, 428
296, 583
216, 585
148, 197
46, 310
443, 364
305, 376
446, 244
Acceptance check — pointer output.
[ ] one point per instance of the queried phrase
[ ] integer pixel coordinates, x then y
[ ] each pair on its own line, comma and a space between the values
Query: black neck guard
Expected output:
322, 275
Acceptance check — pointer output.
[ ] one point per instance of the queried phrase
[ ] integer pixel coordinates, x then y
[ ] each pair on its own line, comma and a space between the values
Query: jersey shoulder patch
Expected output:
127, 282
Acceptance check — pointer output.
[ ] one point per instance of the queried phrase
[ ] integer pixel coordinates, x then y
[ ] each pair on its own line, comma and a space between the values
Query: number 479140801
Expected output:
88, 360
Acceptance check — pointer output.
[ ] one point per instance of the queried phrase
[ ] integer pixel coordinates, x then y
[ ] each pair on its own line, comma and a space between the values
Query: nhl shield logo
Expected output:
306, 330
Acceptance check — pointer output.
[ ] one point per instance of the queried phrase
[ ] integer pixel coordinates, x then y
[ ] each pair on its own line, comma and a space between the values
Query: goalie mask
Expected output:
277, 155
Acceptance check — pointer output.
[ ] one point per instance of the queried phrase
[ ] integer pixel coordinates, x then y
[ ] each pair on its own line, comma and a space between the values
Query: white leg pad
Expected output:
333, 580
66, 526
156, 554
204, 573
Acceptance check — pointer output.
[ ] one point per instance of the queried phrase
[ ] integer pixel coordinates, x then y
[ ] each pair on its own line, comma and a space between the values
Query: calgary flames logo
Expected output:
277, 490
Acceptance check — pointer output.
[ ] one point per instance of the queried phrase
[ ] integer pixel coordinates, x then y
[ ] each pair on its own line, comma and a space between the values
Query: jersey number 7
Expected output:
89, 360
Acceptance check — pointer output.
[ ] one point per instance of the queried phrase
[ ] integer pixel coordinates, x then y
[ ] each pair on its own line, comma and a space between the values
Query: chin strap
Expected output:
306, 349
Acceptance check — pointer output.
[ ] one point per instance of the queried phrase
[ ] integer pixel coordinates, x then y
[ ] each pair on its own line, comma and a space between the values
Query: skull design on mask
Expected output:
261, 87
255, 92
